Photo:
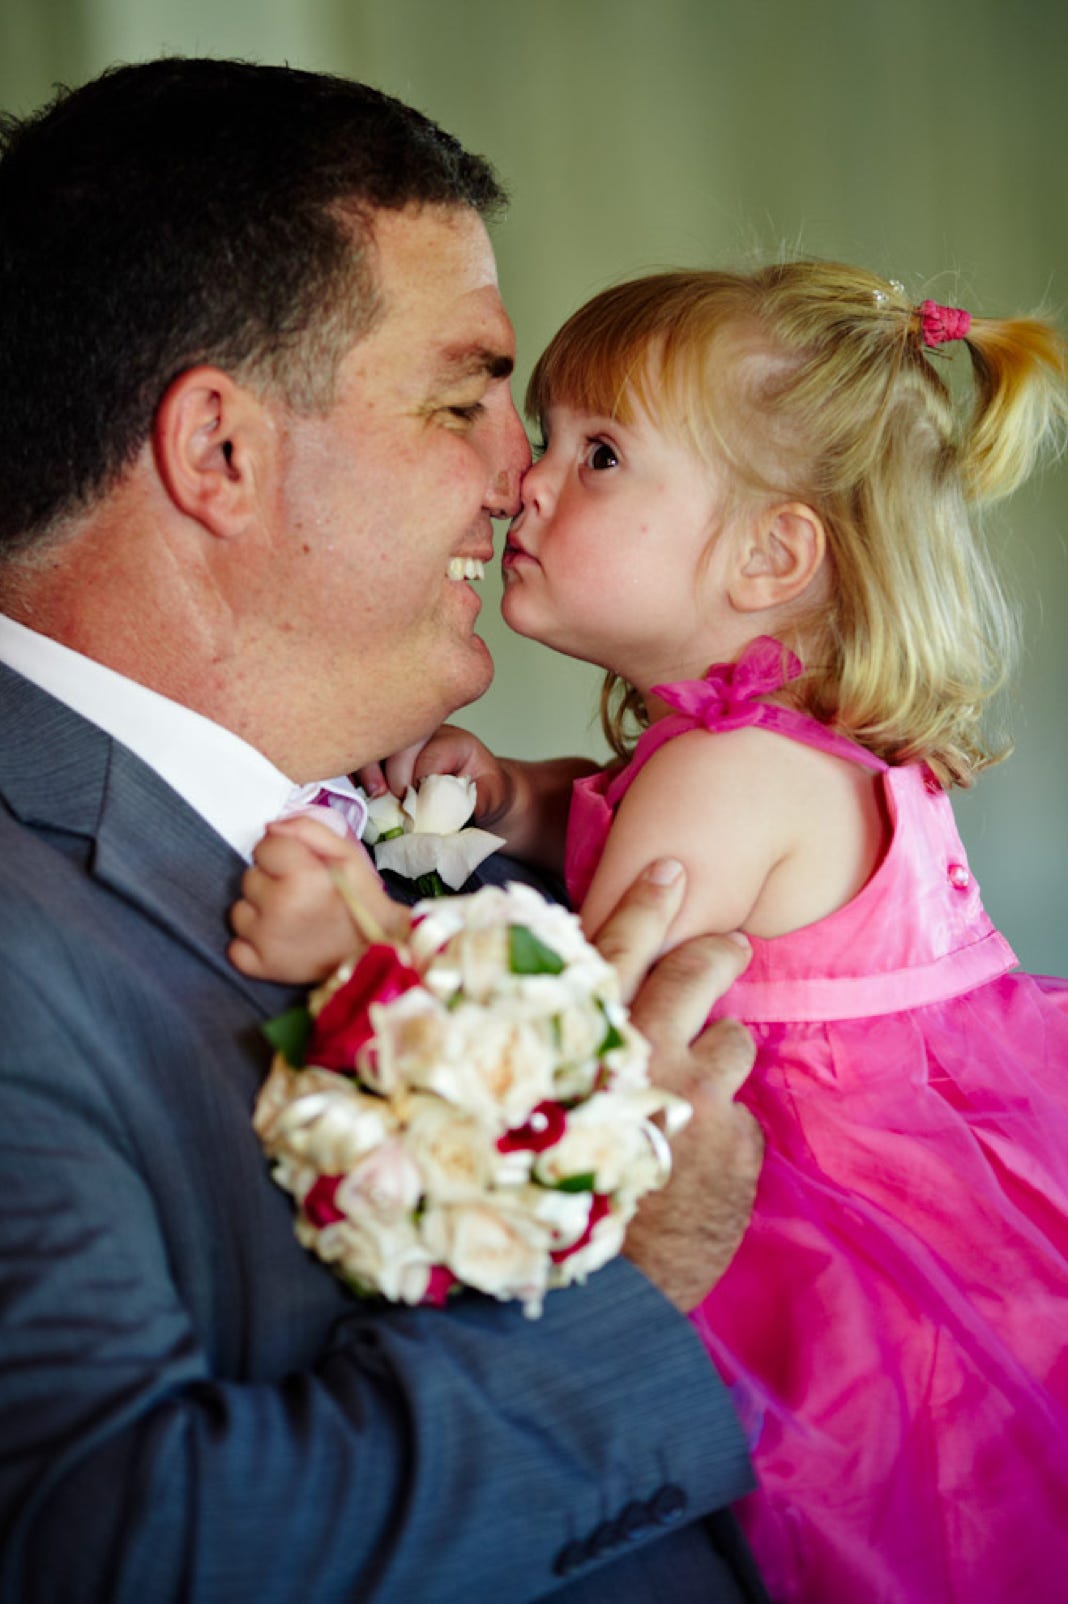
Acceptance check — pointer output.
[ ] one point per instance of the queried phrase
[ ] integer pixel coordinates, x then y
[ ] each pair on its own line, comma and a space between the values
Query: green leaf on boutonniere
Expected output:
577, 1183
288, 1034
529, 956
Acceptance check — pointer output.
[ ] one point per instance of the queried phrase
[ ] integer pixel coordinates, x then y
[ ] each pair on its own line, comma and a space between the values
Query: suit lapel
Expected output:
62, 775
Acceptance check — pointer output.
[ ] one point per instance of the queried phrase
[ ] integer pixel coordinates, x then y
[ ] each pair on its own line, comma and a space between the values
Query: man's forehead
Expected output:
439, 301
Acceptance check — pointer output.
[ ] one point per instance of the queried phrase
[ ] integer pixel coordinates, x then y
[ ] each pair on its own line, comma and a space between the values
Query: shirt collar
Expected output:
228, 782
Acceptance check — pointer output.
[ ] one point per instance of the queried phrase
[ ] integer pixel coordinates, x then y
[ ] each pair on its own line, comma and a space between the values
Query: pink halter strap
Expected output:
726, 699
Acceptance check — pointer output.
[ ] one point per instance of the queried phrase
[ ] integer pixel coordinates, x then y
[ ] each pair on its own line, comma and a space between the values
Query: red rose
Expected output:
343, 1024
439, 1286
319, 1203
544, 1127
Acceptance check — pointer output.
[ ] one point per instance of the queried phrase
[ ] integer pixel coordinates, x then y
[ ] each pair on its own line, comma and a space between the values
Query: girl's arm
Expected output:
525, 802
718, 804
773, 833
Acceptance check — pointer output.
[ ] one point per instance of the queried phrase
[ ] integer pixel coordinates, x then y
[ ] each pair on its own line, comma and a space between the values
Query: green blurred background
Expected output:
923, 139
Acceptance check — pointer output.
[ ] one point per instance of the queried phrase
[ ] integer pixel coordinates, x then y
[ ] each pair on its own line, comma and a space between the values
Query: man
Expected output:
255, 422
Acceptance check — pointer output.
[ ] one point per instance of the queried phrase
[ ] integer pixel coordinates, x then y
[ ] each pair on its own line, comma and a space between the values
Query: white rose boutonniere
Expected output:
469, 1108
426, 838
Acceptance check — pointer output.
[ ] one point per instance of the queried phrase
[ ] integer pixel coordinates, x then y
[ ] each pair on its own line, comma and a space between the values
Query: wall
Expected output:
922, 139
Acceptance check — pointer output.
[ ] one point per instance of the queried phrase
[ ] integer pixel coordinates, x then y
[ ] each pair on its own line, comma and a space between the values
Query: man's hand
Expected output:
684, 1237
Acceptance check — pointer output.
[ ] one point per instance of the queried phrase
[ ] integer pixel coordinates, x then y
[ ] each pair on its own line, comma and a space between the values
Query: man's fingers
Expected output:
677, 997
635, 931
724, 1055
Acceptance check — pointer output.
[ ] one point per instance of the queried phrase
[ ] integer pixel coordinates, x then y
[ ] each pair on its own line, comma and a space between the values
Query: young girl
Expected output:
769, 473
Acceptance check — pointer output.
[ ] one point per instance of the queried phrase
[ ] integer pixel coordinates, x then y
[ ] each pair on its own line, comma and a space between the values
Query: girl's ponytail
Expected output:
1020, 366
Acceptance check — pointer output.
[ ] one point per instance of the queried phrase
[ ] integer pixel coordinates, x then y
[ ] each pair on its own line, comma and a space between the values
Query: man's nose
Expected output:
512, 462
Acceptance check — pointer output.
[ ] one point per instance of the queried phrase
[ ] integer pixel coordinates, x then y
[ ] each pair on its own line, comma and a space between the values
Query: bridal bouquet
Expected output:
470, 1107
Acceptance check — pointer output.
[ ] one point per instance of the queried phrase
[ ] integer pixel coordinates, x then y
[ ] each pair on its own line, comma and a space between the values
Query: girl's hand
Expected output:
290, 922
449, 750
525, 802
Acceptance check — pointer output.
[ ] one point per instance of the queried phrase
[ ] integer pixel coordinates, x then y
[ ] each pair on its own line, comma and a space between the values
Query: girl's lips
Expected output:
514, 551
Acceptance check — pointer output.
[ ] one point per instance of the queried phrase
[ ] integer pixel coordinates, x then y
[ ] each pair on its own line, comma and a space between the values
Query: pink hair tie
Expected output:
942, 323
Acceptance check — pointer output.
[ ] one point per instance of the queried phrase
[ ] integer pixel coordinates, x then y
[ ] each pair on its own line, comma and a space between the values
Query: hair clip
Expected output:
939, 324
880, 297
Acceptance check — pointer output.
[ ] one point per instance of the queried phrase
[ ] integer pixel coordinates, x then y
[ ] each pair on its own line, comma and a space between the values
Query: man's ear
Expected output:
208, 439
778, 558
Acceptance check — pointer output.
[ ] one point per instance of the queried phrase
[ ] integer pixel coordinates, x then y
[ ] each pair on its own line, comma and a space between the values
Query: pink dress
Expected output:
894, 1326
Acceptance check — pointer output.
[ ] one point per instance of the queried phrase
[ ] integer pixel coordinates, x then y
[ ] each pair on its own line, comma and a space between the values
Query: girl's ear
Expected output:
208, 440
780, 555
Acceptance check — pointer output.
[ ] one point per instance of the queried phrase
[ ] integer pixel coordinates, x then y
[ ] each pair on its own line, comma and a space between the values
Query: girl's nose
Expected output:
534, 488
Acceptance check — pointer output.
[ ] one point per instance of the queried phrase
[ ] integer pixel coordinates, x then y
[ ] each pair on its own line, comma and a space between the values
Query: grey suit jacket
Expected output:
193, 1408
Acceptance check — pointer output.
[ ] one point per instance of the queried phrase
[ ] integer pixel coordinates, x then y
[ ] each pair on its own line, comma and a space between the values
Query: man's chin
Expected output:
477, 675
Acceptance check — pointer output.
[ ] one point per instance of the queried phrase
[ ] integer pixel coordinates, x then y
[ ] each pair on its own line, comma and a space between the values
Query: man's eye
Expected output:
600, 455
469, 413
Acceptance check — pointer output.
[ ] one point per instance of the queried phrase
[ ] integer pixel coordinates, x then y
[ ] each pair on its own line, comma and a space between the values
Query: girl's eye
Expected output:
600, 455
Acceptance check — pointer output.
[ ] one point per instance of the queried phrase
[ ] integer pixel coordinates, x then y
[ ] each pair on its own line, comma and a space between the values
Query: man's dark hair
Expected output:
183, 211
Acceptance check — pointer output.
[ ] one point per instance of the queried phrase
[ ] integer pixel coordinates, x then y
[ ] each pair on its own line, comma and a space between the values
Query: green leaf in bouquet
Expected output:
577, 1183
612, 1036
288, 1034
529, 956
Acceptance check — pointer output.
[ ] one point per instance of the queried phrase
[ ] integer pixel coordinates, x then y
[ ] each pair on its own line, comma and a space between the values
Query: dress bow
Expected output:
726, 698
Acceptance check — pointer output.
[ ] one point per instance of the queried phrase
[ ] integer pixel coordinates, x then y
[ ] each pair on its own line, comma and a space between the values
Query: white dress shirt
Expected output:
227, 781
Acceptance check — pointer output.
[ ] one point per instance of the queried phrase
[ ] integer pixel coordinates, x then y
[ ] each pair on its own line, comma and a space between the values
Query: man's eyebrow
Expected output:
472, 361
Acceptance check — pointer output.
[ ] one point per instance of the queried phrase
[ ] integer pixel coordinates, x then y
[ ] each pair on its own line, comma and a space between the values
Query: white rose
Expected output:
454, 857
293, 1177
285, 1086
412, 1032
582, 1027
441, 804
388, 1258
500, 1251
604, 1137
387, 1181
480, 960
606, 1241
276, 1093
454, 1153
567, 1214
437, 919
331, 1130
433, 840
499, 1067
384, 814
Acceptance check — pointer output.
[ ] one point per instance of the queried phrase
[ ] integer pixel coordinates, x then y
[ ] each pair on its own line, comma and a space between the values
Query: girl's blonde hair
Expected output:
811, 381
